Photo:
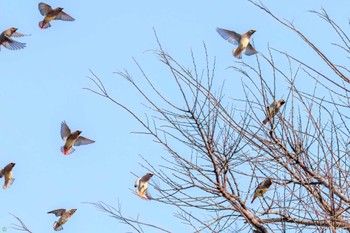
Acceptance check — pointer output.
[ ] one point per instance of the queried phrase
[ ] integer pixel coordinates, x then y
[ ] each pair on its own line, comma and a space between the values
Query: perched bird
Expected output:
52, 14
272, 110
243, 41
7, 172
262, 188
142, 184
65, 215
72, 139
9, 43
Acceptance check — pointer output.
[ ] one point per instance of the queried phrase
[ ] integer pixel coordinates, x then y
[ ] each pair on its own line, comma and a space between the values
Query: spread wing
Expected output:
12, 44
137, 182
64, 16
44, 8
250, 50
58, 212
83, 141
230, 36
65, 131
18, 34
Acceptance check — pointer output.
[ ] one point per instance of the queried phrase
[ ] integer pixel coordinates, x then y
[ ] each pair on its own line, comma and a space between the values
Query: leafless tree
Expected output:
226, 151
21, 226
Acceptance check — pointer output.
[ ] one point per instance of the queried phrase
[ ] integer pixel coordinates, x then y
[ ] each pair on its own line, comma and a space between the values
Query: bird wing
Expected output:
137, 182
58, 212
18, 34
64, 16
147, 195
44, 8
12, 44
65, 131
230, 36
250, 50
83, 141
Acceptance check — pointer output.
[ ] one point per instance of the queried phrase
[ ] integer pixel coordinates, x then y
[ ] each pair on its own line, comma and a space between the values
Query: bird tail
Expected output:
57, 226
265, 121
44, 26
237, 52
253, 199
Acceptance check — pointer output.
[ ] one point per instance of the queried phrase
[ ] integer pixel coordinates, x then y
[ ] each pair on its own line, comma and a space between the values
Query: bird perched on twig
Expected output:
142, 186
272, 110
52, 14
64, 216
243, 42
262, 188
8, 42
7, 172
72, 139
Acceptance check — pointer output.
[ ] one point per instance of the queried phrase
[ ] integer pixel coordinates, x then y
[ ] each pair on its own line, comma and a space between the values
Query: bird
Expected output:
72, 139
52, 14
7, 172
243, 41
64, 216
272, 110
262, 188
9, 43
142, 184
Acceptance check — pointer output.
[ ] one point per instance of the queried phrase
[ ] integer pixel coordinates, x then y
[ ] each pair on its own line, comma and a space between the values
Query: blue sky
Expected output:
42, 85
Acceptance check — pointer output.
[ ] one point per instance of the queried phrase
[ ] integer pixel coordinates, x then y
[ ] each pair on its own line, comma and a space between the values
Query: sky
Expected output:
42, 85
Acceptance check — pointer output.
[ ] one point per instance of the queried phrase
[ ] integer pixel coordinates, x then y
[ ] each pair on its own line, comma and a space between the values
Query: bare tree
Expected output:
21, 226
228, 151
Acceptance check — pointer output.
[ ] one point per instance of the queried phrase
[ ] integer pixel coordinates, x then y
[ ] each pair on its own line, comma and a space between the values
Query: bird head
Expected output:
150, 174
78, 132
251, 32
282, 102
60, 8
13, 29
72, 211
13, 164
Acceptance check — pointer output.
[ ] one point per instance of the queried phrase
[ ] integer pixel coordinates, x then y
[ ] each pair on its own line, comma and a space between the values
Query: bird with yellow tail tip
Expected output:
272, 110
52, 14
142, 186
8, 42
72, 139
7, 173
64, 216
243, 41
262, 188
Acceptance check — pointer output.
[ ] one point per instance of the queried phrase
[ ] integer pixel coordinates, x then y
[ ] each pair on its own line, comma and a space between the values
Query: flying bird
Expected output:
72, 139
262, 188
243, 42
64, 216
142, 184
7, 172
272, 110
8, 42
52, 14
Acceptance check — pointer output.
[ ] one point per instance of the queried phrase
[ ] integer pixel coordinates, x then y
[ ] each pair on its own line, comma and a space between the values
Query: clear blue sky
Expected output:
41, 85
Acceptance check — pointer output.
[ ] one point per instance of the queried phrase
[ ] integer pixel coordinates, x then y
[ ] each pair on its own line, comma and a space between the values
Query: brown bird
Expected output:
64, 216
9, 43
262, 188
142, 186
7, 172
243, 41
72, 139
272, 110
52, 14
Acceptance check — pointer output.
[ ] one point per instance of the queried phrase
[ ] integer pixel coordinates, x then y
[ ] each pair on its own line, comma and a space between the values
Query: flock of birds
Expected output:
74, 139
